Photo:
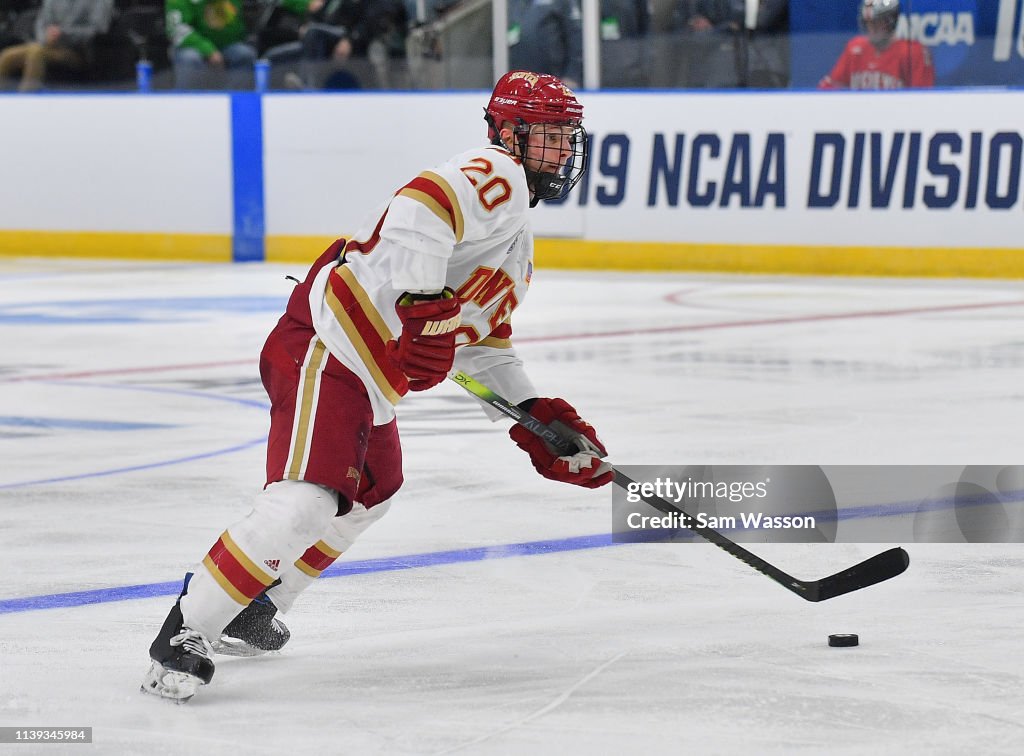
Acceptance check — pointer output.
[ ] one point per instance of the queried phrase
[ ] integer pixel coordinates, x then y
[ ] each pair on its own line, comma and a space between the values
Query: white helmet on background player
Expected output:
878, 19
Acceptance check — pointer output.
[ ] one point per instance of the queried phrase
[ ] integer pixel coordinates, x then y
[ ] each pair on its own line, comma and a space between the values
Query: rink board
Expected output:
800, 182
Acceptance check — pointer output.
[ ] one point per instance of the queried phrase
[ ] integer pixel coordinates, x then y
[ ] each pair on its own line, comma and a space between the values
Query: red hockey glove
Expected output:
584, 468
425, 349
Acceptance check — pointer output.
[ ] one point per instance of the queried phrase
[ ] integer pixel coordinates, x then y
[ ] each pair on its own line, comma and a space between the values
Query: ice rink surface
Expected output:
132, 423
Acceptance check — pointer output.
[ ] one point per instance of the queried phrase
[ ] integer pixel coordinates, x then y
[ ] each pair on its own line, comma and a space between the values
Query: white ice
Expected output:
131, 427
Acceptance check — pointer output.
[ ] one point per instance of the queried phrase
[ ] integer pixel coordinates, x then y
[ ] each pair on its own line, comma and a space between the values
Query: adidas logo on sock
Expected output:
273, 564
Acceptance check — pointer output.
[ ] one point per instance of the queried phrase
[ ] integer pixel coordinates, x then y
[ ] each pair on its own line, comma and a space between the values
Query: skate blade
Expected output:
175, 686
228, 646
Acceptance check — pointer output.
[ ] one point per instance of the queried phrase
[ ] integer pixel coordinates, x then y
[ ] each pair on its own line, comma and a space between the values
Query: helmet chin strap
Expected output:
545, 185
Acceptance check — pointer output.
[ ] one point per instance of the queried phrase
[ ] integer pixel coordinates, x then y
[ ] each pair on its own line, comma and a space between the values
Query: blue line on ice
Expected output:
385, 564
135, 468
66, 423
118, 311
390, 564
251, 403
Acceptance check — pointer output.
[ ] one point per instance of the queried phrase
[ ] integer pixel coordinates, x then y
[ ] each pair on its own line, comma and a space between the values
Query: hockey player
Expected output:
431, 280
876, 59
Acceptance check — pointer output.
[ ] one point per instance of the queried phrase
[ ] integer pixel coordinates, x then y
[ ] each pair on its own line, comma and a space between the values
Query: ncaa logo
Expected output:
945, 27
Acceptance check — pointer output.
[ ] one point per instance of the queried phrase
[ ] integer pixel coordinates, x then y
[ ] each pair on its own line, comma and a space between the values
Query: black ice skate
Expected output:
181, 659
256, 630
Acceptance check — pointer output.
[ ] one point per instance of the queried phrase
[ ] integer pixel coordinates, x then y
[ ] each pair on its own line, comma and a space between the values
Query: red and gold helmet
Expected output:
524, 99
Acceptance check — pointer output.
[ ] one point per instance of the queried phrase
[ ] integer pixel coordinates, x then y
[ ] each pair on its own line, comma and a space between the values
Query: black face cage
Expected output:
551, 181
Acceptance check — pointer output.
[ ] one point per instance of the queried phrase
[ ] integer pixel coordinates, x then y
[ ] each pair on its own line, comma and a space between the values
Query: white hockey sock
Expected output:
250, 554
339, 535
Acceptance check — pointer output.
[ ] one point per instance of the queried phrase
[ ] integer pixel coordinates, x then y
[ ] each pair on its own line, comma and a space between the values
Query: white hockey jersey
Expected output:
462, 225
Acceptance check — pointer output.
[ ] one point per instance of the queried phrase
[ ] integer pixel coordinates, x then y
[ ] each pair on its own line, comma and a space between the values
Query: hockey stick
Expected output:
878, 568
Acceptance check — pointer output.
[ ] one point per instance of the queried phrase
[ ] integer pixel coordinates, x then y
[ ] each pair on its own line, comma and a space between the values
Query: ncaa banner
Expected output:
939, 170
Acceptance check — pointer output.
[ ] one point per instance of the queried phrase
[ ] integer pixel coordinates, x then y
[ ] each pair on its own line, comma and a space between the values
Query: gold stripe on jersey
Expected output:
436, 194
303, 567
491, 341
304, 409
371, 312
317, 558
243, 559
324, 547
224, 583
385, 375
234, 571
499, 338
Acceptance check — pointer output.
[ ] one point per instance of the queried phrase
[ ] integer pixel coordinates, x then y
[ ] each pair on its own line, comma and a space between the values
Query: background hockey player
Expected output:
431, 280
876, 59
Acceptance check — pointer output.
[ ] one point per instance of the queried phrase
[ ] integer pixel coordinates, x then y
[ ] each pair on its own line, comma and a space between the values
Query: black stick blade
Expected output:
886, 565
877, 569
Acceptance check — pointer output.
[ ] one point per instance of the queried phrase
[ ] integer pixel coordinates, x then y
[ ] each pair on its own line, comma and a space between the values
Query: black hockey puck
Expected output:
842, 640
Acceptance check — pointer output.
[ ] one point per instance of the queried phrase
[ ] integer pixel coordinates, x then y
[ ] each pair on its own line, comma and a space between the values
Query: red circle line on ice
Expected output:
572, 337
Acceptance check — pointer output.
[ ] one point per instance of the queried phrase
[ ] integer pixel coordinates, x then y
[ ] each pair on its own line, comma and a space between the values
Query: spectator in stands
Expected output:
378, 37
768, 55
547, 36
449, 44
282, 21
9, 35
280, 37
876, 59
209, 35
64, 33
624, 26
328, 34
710, 28
425, 11
721, 54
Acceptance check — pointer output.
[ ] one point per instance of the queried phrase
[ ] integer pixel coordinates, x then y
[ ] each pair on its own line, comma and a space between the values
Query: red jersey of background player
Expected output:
901, 63
876, 59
